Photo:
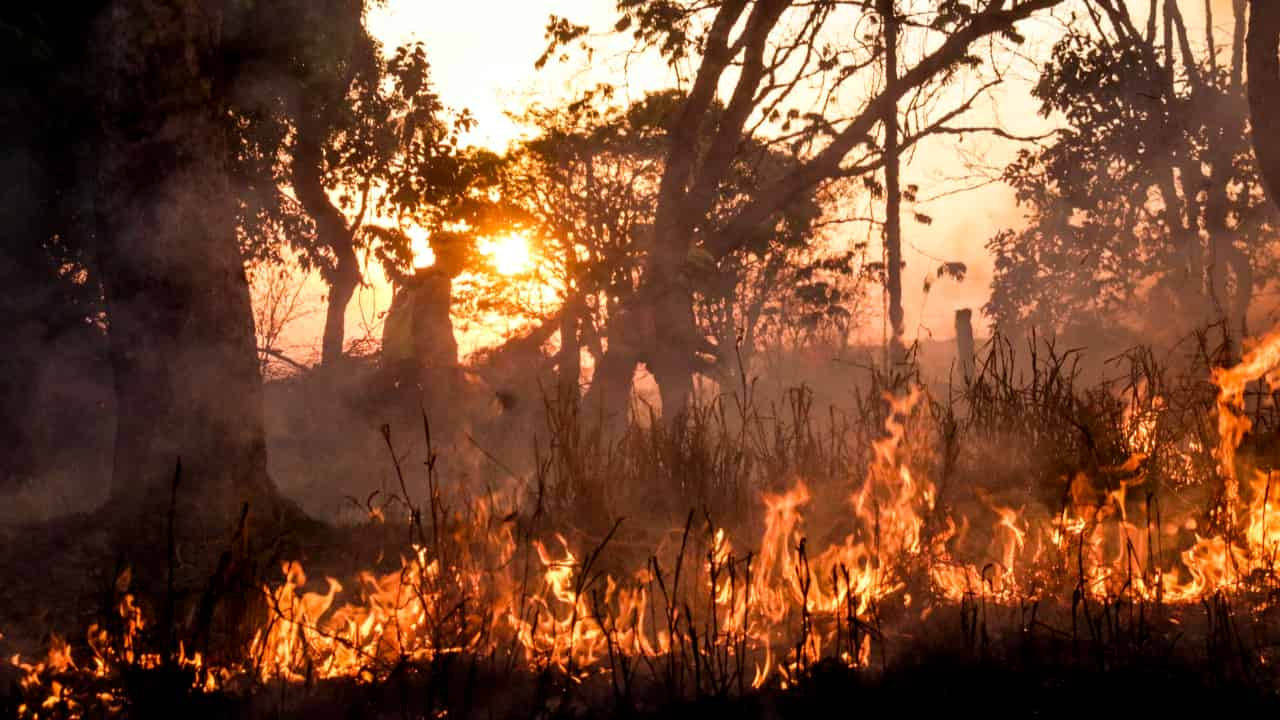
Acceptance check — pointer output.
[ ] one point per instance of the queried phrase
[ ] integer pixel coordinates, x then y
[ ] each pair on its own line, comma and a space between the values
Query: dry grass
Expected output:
654, 497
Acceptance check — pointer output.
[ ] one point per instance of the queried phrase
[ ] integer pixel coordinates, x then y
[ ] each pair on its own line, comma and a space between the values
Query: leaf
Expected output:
955, 270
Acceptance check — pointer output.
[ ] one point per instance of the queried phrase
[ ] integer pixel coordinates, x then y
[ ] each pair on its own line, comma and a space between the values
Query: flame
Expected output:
774, 610
1232, 421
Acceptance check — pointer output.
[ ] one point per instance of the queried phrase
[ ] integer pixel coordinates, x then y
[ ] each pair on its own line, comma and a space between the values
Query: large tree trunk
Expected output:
661, 321
608, 397
26, 301
1264, 89
181, 326
433, 335
671, 356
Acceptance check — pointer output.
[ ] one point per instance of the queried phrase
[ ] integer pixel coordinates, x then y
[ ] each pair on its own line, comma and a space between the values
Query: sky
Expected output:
483, 52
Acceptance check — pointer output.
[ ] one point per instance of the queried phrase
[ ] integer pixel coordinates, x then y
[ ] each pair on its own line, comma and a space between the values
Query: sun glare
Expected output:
420, 246
509, 254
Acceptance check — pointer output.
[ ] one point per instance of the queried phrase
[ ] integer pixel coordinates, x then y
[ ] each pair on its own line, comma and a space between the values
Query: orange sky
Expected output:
482, 54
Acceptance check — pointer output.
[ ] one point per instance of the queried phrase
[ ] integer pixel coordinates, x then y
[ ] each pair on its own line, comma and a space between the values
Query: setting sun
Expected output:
509, 254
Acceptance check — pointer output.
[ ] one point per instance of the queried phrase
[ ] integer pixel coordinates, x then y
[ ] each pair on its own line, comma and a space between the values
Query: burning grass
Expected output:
1024, 526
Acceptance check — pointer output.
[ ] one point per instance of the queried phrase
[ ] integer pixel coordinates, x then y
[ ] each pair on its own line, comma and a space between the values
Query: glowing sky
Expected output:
483, 51
482, 54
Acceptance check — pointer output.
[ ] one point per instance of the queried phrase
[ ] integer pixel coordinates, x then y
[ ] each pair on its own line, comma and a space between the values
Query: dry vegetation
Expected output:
1020, 531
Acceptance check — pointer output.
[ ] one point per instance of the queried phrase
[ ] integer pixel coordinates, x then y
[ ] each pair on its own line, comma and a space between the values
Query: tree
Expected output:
585, 185
1264, 87
1151, 190
275, 292
892, 190
180, 322
588, 182
774, 47
354, 134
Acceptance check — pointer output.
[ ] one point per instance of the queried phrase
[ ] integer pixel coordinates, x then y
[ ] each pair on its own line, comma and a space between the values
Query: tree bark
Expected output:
181, 326
671, 357
1264, 89
608, 398
343, 282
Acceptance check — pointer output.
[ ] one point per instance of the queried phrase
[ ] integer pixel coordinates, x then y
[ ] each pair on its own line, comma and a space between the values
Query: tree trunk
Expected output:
1242, 266
569, 360
965, 350
1264, 89
343, 282
25, 305
433, 339
331, 231
671, 357
608, 398
893, 190
1215, 220
181, 326
1239, 11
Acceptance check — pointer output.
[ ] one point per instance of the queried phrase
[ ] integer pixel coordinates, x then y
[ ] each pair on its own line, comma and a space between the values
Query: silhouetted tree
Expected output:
1149, 195
589, 183
774, 47
892, 184
181, 326
585, 183
343, 135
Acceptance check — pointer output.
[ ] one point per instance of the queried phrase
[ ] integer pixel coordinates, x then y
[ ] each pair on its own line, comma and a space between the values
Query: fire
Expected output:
770, 605
1232, 421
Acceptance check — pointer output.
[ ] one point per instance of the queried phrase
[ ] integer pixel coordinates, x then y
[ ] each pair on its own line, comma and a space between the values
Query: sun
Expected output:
509, 253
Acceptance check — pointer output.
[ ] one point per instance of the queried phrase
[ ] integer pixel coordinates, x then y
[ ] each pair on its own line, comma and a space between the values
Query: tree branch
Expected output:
826, 164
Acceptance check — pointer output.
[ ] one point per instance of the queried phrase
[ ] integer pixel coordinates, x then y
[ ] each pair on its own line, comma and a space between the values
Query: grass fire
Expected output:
378, 359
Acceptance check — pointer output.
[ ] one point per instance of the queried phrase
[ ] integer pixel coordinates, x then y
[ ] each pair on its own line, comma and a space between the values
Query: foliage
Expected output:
588, 183
1146, 193
388, 148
